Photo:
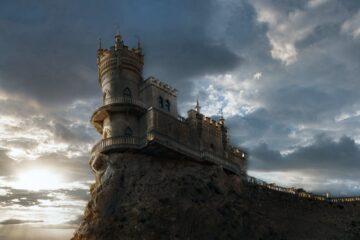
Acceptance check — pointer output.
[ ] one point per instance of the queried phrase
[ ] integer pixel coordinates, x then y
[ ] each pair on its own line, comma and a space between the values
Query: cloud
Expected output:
352, 26
58, 198
340, 158
7, 165
18, 221
325, 165
292, 23
58, 63
76, 221
316, 3
282, 71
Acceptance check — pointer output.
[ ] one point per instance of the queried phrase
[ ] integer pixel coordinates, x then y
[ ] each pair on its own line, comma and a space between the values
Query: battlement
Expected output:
141, 115
212, 122
119, 56
163, 86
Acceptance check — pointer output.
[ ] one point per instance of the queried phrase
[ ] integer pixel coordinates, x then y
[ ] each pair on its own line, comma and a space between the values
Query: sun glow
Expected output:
38, 179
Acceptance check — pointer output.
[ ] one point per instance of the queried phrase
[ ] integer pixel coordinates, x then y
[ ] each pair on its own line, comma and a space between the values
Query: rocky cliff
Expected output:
142, 197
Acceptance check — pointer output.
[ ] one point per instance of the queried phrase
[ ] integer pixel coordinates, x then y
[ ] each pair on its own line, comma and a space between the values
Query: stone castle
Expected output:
161, 176
141, 115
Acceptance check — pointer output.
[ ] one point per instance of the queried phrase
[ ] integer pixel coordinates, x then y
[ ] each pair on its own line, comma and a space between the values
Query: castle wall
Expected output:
114, 83
167, 125
150, 94
115, 125
211, 138
207, 131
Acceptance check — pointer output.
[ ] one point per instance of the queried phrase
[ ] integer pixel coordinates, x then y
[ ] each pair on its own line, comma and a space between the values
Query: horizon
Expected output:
284, 74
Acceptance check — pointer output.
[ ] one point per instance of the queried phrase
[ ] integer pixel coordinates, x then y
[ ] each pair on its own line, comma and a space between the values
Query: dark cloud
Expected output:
18, 221
26, 198
48, 72
337, 158
71, 134
256, 127
57, 57
76, 221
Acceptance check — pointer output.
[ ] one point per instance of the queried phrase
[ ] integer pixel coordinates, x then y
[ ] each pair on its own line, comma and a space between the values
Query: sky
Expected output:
284, 72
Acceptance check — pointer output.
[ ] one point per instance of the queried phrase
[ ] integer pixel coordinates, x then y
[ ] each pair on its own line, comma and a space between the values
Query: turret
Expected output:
120, 70
120, 76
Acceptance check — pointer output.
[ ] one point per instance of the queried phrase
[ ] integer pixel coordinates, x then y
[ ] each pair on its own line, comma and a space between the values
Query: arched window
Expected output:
128, 132
167, 105
161, 102
212, 147
127, 93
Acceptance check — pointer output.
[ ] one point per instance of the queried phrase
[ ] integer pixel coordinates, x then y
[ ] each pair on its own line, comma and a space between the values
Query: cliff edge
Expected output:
138, 196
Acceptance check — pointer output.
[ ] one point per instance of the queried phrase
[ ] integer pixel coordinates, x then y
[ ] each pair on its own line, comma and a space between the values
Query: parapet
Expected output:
156, 82
120, 56
193, 114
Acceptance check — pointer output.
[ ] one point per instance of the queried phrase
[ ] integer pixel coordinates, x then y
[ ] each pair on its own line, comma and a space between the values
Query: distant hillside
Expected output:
143, 197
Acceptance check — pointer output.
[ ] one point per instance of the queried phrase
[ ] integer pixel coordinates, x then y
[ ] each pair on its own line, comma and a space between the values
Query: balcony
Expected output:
124, 100
136, 143
108, 144
116, 104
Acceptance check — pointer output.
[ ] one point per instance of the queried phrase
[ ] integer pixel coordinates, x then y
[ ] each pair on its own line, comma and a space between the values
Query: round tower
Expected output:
120, 75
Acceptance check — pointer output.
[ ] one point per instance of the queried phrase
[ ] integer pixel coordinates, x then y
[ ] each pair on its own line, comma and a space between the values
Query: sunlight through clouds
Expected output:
283, 73
37, 179
227, 92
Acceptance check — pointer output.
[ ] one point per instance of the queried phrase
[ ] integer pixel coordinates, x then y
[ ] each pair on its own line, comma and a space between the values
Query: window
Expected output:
212, 147
106, 133
127, 93
167, 105
128, 132
161, 102
106, 94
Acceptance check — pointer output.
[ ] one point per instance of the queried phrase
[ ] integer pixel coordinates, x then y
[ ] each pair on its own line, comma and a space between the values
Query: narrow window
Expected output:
106, 133
127, 93
212, 147
167, 105
128, 132
106, 94
161, 102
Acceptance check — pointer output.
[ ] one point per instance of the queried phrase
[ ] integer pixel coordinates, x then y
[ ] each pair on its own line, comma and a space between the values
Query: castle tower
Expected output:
120, 76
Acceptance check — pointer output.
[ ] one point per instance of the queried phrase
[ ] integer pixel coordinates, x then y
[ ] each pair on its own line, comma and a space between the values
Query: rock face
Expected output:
142, 197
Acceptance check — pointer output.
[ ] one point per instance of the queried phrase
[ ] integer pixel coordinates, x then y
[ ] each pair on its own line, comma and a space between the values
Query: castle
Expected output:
140, 115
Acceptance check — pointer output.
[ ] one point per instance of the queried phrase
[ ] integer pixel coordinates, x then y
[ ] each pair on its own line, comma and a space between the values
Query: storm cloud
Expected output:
285, 74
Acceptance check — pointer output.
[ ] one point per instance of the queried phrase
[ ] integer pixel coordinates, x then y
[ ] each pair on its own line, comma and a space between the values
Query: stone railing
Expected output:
221, 161
124, 100
114, 142
301, 193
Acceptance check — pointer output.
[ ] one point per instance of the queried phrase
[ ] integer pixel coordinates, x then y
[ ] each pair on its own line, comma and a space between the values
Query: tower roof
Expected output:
197, 107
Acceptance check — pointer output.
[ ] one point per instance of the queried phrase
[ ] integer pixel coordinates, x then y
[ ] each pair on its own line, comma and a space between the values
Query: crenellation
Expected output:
141, 115
156, 82
137, 114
